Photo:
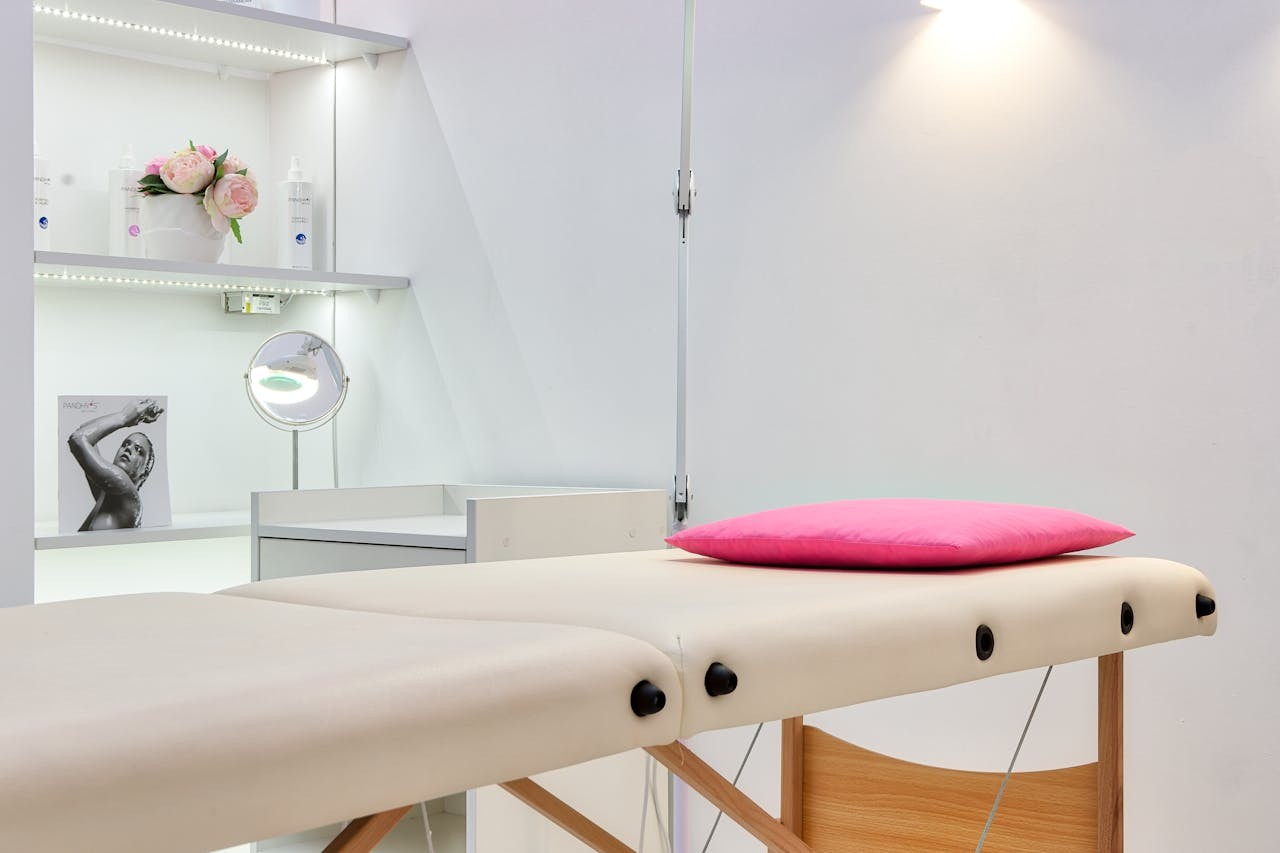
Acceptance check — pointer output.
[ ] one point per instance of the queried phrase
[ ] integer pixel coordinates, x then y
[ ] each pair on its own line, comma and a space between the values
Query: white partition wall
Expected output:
16, 514
1030, 256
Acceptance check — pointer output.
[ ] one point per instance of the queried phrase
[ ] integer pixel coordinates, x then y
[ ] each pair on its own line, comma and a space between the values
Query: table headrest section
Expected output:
796, 641
173, 721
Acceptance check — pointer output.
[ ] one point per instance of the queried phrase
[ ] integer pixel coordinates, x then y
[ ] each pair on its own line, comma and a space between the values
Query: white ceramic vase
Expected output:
177, 228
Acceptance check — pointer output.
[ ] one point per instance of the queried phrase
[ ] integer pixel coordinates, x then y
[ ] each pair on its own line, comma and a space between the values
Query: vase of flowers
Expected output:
191, 200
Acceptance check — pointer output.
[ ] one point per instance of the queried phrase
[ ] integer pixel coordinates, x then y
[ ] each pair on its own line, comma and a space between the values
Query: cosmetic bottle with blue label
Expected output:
295, 220
41, 202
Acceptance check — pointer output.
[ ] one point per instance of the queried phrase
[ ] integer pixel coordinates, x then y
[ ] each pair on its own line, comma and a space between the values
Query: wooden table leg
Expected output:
1111, 753
793, 775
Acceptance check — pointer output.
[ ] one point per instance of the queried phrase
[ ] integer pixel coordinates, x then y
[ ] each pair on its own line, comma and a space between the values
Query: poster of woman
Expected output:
112, 463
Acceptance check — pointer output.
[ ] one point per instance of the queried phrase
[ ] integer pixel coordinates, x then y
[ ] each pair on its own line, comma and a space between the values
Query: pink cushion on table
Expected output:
898, 533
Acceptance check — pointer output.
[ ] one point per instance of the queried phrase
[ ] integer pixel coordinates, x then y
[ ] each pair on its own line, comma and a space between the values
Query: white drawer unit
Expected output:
337, 530
290, 557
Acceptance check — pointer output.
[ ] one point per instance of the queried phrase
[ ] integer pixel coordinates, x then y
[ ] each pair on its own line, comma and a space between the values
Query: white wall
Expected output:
16, 585
530, 202
1032, 258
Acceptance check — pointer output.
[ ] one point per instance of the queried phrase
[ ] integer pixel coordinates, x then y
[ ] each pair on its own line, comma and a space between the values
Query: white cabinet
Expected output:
325, 530
333, 530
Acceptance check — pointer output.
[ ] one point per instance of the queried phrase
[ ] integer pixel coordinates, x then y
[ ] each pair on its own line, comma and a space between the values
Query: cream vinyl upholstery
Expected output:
800, 641
173, 722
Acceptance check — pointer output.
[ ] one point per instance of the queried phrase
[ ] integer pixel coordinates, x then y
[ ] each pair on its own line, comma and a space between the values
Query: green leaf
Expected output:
151, 180
217, 162
191, 145
235, 229
243, 171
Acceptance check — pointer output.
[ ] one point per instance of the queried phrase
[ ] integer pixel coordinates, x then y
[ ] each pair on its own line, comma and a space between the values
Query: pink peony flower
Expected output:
207, 152
187, 172
234, 164
153, 165
236, 196
220, 222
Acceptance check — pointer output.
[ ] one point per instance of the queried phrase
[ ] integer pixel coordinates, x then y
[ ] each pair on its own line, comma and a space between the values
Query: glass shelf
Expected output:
69, 269
206, 31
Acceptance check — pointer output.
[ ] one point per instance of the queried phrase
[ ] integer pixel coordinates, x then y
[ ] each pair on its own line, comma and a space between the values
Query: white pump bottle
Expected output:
295, 220
124, 230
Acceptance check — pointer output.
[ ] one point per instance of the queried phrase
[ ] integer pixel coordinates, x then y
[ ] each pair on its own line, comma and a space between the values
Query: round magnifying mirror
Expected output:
296, 381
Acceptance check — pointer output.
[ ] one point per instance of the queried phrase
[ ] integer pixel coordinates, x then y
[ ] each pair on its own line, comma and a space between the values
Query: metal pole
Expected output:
295, 459
677, 796
684, 208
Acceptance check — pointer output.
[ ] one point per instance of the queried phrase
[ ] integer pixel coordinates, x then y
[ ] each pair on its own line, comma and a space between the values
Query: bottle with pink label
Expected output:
124, 229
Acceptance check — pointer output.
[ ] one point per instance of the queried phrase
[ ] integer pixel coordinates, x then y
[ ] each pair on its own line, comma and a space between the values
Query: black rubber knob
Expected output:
985, 642
720, 680
647, 698
1205, 606
1126, 618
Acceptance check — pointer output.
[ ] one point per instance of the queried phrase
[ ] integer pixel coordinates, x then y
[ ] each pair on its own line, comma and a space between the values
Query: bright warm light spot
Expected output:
979, 25
969, 7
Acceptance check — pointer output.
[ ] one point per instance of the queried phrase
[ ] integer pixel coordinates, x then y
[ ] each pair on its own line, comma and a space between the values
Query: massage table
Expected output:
166, 722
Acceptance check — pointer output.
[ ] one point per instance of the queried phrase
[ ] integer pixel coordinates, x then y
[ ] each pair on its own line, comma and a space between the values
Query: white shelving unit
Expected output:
207, 32
203, 525
71, 269
148, 74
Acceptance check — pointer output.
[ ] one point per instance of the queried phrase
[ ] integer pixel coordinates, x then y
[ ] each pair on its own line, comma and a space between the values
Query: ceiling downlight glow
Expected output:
195, 38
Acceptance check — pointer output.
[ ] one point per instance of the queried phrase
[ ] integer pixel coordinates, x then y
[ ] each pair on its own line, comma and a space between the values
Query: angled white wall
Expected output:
1027, 258
530, 201
16, 513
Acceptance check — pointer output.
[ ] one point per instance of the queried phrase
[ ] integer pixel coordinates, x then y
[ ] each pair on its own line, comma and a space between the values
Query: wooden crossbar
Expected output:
364, 833
721, 793
564, 816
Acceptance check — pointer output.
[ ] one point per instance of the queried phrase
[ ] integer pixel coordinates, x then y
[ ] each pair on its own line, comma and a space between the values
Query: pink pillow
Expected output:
898, 533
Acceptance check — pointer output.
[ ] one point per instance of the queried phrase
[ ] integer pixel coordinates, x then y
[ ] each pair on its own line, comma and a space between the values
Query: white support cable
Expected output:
426, 826
992, 815
736, 777
650, 796
644, 802
657, 811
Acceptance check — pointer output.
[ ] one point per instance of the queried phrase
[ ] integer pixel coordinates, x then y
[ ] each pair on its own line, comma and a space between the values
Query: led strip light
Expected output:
67, 14
160, 282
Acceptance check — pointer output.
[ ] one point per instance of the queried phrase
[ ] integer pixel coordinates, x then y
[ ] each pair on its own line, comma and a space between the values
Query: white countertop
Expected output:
196, 525
415, 531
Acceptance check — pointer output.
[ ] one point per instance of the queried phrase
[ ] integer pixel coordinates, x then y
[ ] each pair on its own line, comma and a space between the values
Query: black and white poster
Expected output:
112, 463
